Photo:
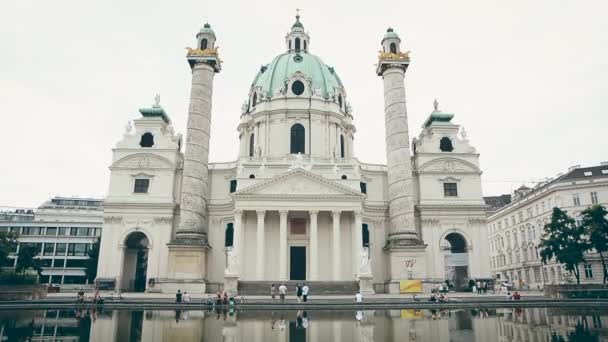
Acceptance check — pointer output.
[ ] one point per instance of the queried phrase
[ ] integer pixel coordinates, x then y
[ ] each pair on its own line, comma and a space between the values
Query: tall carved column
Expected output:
188, 249
314, 246
261, 244
336, 244
403, 242
283, 244
238, 239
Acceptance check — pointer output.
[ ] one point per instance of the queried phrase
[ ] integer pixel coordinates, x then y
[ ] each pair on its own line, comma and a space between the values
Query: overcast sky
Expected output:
528, 79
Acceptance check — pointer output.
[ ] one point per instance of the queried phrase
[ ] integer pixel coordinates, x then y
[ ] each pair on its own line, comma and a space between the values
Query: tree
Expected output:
563, 239
91, 262
7, 243
26, 258
596, 228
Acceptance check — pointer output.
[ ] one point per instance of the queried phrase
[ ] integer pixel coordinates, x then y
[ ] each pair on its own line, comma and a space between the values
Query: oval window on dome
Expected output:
297, 88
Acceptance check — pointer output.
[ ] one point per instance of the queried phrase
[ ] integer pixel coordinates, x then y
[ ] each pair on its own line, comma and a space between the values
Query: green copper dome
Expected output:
390, 33
207, 29
275, 75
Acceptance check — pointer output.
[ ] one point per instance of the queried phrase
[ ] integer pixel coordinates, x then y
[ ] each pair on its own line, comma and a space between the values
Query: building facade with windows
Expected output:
63, 230
296, 204
515, 229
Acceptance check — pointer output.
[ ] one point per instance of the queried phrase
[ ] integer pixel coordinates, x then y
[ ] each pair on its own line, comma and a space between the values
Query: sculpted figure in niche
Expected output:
364, 268
232, 265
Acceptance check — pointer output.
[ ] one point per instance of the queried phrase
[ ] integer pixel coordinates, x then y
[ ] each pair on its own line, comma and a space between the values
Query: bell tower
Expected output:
188, 248
404, 245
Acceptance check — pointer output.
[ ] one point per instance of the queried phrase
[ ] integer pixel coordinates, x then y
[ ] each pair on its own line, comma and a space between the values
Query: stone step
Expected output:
255, 287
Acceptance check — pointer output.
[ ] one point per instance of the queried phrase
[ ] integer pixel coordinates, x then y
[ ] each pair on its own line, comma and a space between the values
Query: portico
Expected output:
272, 228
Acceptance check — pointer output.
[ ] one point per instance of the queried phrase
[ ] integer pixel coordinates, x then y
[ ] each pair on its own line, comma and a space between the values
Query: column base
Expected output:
187, 265
171, 285
406, 263
366, 285
231, 283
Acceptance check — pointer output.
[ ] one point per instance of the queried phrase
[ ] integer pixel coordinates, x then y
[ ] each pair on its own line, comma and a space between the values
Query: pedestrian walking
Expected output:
299, 292
178, 296
305, 290
273, 292
282, 292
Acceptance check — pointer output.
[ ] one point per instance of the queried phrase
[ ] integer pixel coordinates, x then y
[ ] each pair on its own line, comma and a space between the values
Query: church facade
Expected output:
296, 204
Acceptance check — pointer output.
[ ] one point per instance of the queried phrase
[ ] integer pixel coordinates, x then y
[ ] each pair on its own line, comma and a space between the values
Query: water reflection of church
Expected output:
532, 325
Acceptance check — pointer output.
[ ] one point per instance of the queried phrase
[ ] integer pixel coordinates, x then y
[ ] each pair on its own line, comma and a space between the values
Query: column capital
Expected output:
238, 211
336, 212
260, 212
313, 212
283, 212
358, 213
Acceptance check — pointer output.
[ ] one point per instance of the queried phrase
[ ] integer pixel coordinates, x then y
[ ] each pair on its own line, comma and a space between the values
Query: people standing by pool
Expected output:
273, 292
178, 296
186, 297
282, 292
305, 290
358, 297
299, 292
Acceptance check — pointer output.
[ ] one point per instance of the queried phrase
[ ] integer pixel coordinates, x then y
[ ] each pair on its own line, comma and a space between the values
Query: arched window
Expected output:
203, 44
297, 44
393, 48
365, 233
229, 235
343, 177
255, 98
147, 140
457, 243
298, 138
340, 100
252, 176
445, 145
341, 146
290, 45
251, 145
304, 45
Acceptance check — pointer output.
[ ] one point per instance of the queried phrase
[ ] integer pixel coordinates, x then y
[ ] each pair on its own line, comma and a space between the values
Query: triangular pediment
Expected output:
448, 165
298, 183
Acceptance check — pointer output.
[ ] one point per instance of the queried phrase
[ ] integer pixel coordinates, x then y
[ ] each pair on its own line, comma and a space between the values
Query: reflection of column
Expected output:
336, 243
314, 246
358, 241
283, 245
337, 331
237, 239
260, 247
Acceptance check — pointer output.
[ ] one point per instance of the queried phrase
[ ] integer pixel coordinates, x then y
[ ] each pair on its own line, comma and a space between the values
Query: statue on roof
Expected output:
157, 100
436, 105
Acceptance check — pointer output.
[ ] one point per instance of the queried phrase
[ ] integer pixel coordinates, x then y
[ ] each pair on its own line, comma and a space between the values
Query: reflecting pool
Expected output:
535, 324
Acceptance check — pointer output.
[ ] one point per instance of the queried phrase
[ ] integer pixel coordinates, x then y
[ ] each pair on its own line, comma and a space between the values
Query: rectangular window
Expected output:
594, 197
60, 249
73, 231
588, 271
63, 231
52, 231
77, 249
521, 217
74, 279
537, 275
49, 248
232, 185
46, 262
59, 263
576, 199
31, 231
141, 186
450, 190
527, 274
75, 263
97, 231
363, 187
83, 231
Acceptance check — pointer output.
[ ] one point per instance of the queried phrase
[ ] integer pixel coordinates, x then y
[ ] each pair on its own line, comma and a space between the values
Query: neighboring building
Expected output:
515, 229
496, 202
296, 204
63, 230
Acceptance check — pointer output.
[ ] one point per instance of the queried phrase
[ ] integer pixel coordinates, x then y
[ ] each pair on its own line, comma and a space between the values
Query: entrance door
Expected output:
297, 263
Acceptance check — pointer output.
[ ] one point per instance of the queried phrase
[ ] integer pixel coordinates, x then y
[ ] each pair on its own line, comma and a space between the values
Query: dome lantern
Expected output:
297, 40
206, 37
391, 43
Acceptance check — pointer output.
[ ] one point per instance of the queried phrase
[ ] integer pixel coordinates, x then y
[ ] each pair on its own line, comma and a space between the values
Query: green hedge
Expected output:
12, 278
